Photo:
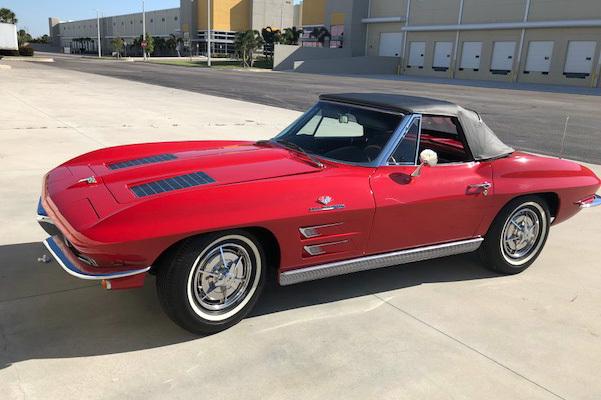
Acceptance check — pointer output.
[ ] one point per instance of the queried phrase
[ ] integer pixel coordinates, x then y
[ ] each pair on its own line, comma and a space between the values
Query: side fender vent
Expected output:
141, 161
171, 184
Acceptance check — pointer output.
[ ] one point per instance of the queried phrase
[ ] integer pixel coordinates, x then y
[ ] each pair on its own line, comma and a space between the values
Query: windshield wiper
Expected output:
298, 148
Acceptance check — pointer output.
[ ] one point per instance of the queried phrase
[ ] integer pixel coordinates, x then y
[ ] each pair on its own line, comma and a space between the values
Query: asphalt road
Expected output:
525, 119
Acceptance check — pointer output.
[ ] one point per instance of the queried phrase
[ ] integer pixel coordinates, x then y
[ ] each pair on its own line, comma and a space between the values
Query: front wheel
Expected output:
211, 282
517, 235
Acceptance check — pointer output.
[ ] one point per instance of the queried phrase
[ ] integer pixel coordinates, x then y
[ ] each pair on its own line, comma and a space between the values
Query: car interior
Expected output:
357, 135
347, 133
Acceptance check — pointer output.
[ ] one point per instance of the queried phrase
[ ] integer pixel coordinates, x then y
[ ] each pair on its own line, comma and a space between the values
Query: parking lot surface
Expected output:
529, 117
442, 329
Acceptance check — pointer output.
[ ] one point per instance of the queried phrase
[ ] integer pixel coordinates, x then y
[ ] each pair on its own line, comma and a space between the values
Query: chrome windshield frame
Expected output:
396, 139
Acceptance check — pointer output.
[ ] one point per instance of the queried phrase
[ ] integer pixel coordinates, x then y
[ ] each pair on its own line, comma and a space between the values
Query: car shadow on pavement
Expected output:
45, 313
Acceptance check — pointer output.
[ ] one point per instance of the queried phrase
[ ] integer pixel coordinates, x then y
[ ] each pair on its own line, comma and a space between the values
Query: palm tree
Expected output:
7, 16
174, 43
23, 37
118, 45
245, 44
291, 35
160, 44
270, 37
321, 34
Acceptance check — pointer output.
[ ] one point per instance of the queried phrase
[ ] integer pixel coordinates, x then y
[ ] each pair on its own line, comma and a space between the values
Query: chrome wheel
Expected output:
224, 277
522, 233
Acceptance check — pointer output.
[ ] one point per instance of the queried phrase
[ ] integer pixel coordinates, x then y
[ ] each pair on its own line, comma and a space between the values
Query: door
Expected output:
539, 56
445, 203
442, 56
502, 57
470, 56
579, 60
417, 52
390, 44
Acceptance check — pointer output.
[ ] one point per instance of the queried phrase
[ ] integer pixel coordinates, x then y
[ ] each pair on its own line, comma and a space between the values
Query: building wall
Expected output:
387, 8
552, 10
297, 20
488, 11
427, 14
314, 12
241, 15
226, 15
431, 12
275, 13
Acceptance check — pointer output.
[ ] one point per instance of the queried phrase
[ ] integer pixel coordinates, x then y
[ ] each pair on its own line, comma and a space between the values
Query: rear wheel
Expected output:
212, 281
517, 235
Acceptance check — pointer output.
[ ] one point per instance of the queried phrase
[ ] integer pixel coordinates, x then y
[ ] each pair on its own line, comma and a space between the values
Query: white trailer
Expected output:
8, 37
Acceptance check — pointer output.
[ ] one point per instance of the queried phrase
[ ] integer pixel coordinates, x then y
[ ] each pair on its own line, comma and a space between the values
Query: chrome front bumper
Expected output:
71, 262
591, 201
73, 266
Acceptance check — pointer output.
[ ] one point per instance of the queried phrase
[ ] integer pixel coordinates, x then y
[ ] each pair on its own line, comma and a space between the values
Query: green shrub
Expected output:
26, 51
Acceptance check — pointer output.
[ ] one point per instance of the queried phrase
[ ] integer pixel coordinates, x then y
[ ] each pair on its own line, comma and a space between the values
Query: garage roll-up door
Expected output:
417, 51
579, 60
390, 44
502, 58
442, 56
539, 56
470, 55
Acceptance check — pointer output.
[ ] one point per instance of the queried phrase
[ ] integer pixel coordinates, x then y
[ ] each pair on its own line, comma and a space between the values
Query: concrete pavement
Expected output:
443, 329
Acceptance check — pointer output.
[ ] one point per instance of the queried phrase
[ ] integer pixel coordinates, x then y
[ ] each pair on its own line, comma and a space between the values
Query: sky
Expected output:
33, 14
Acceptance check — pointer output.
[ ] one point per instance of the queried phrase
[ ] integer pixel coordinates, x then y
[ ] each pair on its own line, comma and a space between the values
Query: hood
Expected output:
124, 173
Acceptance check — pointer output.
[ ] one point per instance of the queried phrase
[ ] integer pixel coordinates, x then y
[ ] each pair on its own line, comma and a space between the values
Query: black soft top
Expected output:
482, 141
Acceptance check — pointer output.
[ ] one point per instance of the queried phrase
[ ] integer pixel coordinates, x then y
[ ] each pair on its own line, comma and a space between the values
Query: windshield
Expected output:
342, 132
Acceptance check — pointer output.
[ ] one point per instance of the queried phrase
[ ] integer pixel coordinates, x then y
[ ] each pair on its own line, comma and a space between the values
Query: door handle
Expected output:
480, 188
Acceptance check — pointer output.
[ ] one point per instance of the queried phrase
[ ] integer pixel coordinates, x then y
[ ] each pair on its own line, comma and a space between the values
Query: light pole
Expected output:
98, 26
208, 33
143, 29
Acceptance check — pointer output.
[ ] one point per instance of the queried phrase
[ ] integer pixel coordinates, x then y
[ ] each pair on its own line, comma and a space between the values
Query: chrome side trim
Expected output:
72, 269
316, 249
595, 202
379, 261
310, 232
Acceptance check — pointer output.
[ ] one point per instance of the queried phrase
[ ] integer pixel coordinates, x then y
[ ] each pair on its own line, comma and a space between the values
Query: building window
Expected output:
175, 19
337, 39
163, 19
151, 20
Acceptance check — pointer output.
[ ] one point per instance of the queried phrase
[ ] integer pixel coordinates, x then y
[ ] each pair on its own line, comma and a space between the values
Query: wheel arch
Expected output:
550, 198
268, 240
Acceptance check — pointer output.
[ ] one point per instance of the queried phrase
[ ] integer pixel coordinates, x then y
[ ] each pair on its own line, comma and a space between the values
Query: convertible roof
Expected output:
395, 102
482, 141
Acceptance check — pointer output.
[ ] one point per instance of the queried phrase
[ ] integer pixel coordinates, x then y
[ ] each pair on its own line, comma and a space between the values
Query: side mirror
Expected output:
427, 157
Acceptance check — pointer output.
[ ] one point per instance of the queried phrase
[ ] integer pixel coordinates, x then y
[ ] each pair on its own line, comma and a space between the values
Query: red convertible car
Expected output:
360, 181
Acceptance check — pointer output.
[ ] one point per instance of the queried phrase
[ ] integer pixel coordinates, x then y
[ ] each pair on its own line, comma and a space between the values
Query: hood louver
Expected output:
171, 184
142, 161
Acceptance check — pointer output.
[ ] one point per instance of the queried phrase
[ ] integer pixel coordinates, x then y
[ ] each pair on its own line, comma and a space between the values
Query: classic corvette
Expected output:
360, 181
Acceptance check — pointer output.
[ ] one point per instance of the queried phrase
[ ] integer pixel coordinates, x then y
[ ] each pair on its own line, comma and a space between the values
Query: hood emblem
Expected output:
89, 180
325, 200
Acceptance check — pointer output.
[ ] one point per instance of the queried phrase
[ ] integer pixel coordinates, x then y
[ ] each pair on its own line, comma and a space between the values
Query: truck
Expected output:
8, 37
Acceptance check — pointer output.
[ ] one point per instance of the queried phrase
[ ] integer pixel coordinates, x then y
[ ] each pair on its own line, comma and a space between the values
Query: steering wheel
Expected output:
372, 152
